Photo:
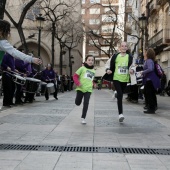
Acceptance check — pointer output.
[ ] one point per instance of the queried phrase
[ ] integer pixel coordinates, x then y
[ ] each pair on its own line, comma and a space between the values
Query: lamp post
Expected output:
62, 52
142, 25
71, 63
39, 23
52, 43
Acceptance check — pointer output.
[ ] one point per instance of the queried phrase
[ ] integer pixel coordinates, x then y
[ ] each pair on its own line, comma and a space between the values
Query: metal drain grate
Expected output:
147, 151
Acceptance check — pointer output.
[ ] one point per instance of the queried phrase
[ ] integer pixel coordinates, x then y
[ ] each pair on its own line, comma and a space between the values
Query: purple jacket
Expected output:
48, 74
149, 74
21, 66
29, 70
8, 61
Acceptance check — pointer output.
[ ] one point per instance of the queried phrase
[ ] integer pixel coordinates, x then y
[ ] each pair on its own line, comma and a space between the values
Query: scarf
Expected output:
87, 66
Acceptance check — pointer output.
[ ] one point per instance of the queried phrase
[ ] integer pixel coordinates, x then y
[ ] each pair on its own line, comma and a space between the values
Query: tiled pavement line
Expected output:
140, 161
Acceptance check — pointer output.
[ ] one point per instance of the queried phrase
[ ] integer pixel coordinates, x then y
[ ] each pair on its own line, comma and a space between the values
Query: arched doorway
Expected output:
45, 52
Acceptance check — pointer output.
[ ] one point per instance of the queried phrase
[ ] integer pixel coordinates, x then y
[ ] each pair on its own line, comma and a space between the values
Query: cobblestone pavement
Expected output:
56, 124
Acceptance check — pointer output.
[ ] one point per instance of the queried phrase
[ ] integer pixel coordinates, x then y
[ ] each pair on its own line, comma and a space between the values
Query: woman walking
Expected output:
83, 78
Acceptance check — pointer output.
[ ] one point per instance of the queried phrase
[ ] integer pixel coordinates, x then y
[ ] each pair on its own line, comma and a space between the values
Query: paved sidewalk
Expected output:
57, 122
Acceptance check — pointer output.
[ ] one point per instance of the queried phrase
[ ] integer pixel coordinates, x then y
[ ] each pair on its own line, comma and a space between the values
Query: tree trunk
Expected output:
61, 59
125, 20
70, 64
22, 37
2, 8
52, 43
20, 22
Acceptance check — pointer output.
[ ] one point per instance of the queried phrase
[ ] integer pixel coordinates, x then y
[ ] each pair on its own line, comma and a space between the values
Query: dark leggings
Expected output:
18, 93
134, 94
78, 101
54, 94
8, 89
120, 87
150, 95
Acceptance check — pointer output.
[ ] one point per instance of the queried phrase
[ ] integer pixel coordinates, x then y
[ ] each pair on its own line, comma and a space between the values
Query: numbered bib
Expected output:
122, 70
89, 75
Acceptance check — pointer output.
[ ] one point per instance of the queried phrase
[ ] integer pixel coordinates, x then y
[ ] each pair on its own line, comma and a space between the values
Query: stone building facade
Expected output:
158, 30
29, 28
132, 31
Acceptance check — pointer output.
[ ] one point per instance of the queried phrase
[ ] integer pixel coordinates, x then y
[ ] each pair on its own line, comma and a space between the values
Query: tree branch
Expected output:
24, 12
11, 19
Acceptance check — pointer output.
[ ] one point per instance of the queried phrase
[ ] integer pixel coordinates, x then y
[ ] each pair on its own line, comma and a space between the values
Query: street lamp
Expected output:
62, 52
39, 23
142, 25
71, 63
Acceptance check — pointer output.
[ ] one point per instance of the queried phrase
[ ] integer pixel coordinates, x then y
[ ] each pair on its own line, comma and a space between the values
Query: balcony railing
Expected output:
128, 27
161, 2
128, 9
162, 37
153, 7
167, 36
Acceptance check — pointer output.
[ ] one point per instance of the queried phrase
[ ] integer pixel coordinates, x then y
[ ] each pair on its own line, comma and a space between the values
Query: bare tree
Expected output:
18, 25
73, 37
2, 8
54, 12
108, 38
115, 32
133, 35
58, 13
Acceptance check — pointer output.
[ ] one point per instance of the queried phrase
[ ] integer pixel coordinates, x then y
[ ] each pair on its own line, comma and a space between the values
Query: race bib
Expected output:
122, 70
89, 75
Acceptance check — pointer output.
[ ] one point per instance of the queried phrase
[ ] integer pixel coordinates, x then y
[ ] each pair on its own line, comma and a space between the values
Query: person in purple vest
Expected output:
8, 85
49, 76
21, 67
30, 72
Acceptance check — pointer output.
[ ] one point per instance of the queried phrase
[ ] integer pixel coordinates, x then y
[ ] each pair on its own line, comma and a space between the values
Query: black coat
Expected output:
109, 77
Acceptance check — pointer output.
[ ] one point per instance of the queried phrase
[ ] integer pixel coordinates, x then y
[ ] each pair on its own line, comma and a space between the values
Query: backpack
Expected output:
158, 70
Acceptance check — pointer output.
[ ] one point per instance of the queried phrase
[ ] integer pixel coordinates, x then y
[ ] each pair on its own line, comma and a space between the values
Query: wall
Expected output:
29, 27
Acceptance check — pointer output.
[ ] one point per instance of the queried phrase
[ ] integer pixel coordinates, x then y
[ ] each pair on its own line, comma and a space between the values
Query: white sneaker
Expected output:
121, 118
114, 95
83, 121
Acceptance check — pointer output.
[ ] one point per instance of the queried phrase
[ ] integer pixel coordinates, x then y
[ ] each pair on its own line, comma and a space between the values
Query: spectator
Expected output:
151, 82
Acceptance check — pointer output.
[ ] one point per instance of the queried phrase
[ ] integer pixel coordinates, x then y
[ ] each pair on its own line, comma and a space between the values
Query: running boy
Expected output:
83, 78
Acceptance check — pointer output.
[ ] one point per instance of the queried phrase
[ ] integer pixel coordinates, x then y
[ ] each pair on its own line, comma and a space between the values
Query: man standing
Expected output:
119, 68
